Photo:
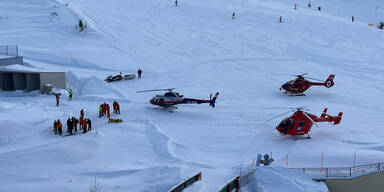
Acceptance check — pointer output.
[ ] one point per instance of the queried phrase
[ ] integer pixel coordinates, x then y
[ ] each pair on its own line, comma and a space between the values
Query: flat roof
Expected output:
15, 68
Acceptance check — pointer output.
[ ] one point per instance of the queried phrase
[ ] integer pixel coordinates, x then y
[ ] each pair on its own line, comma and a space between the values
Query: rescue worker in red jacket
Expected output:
81, 113
107, 109
59, 127
57, 99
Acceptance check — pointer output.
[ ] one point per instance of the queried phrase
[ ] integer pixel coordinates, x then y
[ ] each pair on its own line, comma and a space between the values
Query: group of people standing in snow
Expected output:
104, 109
85, 125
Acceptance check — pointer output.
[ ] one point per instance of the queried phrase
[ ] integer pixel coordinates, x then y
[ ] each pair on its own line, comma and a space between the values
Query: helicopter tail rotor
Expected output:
213, 100
329, 82
338, 118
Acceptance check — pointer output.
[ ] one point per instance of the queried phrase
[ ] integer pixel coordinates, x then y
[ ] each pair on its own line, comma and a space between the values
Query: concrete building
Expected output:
11, 80
14, 75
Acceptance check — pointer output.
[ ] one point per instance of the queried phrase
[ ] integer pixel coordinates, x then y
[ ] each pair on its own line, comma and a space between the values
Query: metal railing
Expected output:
342, 171
9, 50
186, 183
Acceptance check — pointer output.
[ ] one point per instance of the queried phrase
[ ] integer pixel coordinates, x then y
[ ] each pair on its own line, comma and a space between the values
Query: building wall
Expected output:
33, 81
19, 81
57, 79
11, 61
7, 82
366, 183
1, 80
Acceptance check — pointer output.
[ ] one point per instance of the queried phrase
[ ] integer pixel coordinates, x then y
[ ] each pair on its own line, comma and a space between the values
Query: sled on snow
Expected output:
115, 120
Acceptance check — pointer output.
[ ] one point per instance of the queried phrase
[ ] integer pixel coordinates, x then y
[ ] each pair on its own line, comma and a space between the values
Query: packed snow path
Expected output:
199, 49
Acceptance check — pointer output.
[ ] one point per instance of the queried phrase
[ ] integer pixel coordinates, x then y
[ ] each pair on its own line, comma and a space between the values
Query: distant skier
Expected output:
57, 100
139, 72
70, 94
233, 15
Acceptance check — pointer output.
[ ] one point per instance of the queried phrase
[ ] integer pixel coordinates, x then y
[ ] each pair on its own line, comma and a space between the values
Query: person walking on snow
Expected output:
57, 99
70, 94
233, 15
81, 113
176, 3
139, 72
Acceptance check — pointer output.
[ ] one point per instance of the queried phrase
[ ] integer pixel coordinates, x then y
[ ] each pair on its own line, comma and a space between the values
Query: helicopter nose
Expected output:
284, 86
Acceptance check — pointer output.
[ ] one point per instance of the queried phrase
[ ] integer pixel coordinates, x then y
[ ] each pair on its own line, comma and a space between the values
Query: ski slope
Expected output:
197, 48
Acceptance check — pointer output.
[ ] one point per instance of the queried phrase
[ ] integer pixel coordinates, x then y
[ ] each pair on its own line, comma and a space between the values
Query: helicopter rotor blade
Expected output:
279, 116
305, 114
301, 75
314, 79
169, 89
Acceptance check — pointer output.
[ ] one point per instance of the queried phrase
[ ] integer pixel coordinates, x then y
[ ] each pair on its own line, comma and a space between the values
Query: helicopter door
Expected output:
301, 125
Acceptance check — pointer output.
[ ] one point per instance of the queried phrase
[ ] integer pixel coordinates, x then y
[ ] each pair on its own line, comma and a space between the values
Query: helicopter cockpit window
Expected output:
161, 100
287, 123
169, 94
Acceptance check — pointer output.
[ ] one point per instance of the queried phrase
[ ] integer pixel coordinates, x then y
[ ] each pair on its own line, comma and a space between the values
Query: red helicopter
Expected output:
300, 84
300, 122
170, 99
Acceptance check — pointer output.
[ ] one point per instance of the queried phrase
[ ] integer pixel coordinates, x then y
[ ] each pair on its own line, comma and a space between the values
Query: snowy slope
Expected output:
199, 49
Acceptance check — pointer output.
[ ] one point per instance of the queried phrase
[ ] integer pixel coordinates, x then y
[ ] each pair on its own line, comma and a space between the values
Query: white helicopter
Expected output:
171, 99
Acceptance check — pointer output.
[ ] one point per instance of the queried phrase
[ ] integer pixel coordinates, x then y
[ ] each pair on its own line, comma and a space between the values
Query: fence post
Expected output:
6, 50
350, 171
17, 50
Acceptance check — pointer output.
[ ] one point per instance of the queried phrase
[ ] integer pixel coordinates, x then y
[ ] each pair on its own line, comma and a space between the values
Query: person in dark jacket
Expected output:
70, 126
139, 72
74, 121
89, 124
55, 127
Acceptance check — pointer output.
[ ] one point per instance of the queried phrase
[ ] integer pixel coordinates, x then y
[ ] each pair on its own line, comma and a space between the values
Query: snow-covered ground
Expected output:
197, 48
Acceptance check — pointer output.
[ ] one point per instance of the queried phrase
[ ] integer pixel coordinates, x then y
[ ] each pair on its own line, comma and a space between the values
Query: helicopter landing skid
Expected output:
296, 137
294, 94
170, 109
